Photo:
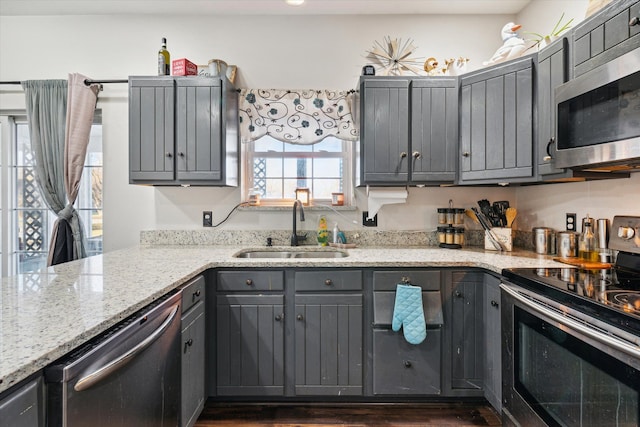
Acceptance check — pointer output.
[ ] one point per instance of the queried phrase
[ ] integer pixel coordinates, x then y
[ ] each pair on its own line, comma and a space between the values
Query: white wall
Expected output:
270, 52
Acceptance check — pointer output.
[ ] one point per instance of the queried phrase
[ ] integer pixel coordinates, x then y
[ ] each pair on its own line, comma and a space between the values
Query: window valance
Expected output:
297, 116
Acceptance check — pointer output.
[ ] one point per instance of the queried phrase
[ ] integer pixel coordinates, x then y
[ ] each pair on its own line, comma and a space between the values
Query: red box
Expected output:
183, 67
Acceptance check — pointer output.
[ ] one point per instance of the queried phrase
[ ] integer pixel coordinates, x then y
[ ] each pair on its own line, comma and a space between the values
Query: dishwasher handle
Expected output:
120, 361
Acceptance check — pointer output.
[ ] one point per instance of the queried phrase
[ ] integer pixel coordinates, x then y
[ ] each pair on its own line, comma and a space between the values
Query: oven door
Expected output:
560, 371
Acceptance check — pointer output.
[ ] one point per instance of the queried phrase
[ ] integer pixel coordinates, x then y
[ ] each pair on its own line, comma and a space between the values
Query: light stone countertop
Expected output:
47, 314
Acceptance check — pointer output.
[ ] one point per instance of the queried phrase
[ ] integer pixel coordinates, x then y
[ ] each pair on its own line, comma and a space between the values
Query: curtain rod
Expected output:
87, 82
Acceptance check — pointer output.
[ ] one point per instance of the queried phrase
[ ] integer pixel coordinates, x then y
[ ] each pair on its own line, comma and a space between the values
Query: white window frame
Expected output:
9, 265
347, 154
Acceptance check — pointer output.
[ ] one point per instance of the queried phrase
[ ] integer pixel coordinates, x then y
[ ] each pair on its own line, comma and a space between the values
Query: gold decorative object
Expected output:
393, 57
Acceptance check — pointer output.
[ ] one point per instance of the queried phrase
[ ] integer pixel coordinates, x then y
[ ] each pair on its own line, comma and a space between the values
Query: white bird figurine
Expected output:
512, 47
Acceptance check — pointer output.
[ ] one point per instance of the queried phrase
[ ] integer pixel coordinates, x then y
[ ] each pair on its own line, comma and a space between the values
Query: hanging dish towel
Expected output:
409, 314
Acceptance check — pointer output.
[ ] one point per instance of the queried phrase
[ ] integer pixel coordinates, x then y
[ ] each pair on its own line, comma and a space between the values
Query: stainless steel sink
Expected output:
261, 253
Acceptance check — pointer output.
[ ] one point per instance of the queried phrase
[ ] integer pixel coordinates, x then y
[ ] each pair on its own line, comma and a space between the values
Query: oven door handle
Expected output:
117, 363
608, 340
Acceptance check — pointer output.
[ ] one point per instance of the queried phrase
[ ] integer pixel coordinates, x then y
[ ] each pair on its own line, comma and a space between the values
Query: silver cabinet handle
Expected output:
466, 154
300, 317
117, 363
403, 154
416, 155
328, 282
249, 282
634, 21
607, 340
168, 154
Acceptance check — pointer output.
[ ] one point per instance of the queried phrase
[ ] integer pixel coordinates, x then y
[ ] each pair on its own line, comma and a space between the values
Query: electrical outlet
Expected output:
373, 222
207, 219
571, 219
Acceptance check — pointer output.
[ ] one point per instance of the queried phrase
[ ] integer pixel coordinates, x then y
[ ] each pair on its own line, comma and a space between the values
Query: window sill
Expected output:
313, 207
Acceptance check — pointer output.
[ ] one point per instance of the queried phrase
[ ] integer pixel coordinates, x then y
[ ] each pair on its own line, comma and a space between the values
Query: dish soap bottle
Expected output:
336, 233
587, 244
323, 232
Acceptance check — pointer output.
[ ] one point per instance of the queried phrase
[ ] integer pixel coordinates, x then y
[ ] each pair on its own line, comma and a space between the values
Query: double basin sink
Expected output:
290, 253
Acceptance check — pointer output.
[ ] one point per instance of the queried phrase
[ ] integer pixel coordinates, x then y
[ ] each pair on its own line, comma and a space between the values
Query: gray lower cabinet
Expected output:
328, 333
409, 129
250, 333
466, 331
492, 340
182, 131
401, 368
193, 351
496, 124
606, 35
23, 405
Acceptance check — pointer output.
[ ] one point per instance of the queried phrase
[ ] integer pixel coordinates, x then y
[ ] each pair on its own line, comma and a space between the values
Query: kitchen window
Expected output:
297, 139
274, 169
26, 220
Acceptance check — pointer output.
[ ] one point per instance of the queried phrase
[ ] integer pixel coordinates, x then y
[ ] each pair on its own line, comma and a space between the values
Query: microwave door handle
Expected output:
548, 157
607, 340
118, 362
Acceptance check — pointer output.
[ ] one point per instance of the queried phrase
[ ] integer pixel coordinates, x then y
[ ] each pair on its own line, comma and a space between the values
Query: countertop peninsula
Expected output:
46, 314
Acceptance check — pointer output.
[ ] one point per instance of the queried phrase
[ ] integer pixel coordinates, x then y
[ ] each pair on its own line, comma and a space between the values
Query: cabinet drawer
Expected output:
192, 293
403, 368
328, 280
383, 304
258, 280
387, 280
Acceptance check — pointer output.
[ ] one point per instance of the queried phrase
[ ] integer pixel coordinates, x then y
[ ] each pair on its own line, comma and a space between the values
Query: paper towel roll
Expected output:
379, 198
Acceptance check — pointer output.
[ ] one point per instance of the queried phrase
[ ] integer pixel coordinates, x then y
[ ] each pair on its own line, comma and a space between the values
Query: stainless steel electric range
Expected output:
571, 340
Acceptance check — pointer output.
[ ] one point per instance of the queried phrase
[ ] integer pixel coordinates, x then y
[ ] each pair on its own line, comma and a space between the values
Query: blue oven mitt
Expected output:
409, 314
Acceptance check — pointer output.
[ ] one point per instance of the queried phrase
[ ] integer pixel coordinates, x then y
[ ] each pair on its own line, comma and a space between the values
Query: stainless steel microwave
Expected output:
598, 117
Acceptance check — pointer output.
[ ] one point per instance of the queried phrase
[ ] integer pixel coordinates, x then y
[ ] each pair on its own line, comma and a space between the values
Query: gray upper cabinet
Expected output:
496, 124
151, 129
606, 35
408, 130
182, 131
553, 70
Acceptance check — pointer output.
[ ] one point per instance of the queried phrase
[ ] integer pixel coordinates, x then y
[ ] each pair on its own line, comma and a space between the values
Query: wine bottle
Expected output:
163, 59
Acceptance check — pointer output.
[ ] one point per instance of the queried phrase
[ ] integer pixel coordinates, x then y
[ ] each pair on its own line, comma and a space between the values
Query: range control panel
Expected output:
625, 234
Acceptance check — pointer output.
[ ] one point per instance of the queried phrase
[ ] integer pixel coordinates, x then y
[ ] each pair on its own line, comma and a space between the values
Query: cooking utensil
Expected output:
500, 208
510, 215
488, 212
487, 228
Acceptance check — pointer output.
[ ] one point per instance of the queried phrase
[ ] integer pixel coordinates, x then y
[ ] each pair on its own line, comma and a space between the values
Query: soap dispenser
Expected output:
336, 233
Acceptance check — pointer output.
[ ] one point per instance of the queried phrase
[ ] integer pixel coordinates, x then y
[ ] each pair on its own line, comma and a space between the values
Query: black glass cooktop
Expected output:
612, 295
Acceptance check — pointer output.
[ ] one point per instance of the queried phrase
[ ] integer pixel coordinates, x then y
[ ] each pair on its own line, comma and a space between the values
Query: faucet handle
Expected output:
302, 236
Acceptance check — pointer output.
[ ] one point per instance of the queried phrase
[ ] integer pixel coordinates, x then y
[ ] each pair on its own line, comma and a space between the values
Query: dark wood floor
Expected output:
397, 415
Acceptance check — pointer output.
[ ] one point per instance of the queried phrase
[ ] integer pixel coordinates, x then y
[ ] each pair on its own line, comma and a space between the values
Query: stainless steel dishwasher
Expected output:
129, 376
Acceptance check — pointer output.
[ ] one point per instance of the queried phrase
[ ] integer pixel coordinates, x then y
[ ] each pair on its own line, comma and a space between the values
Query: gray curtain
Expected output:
48, 115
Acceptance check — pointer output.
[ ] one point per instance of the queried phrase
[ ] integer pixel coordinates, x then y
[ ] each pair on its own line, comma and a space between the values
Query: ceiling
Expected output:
258, 7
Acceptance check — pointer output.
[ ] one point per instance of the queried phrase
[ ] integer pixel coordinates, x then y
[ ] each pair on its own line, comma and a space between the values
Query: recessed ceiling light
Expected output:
294, 2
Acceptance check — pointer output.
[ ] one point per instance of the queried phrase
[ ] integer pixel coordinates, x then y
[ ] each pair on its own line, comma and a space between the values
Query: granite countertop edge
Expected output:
66, 305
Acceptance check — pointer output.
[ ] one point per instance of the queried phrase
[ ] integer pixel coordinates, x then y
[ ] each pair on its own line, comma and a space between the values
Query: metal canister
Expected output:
567, 244
544, 240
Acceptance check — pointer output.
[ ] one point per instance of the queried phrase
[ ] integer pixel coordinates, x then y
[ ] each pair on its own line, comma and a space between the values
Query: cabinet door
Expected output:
402, 368
434, 130
24, 405
496, 124
199, 129
466, 330
384, 131
605, 36
552, 72
193, 365
250, 345
493, 343
151, 129
328, 344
